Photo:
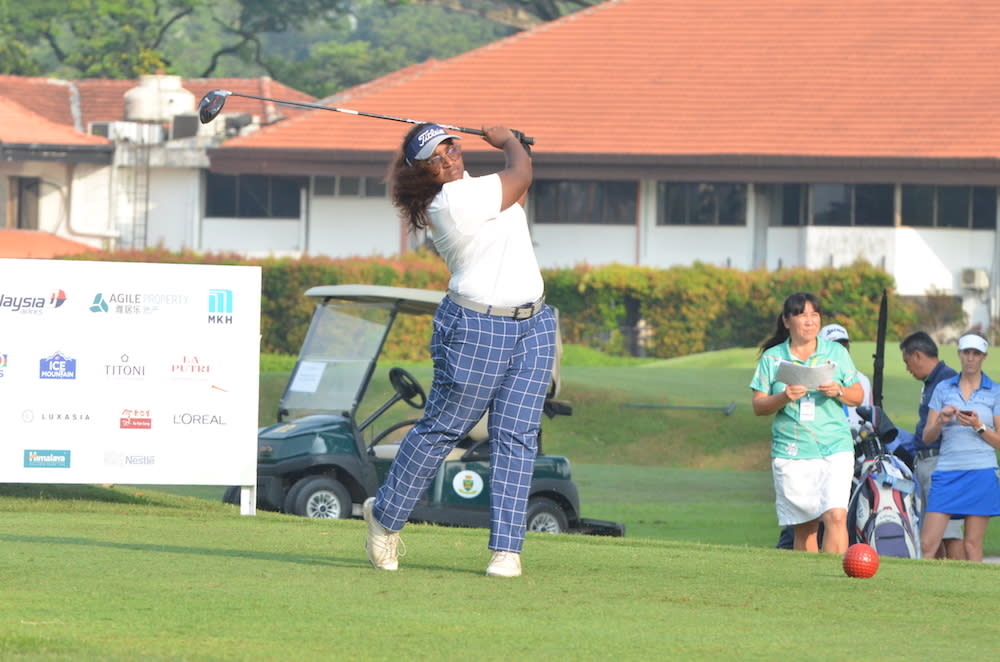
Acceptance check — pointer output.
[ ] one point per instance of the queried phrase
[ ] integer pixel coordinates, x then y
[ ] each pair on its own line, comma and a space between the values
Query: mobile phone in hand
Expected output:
967, 412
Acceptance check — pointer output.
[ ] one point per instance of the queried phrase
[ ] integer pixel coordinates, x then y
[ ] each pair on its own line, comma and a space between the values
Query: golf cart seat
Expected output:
478, 433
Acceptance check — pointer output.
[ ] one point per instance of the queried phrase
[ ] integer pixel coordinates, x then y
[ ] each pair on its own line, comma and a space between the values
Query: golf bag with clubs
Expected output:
885, 509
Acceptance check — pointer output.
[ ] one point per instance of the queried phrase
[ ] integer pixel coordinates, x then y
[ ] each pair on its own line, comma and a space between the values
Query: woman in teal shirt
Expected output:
812, 451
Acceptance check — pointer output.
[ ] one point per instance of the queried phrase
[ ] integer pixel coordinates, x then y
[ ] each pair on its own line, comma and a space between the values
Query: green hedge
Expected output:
617, 309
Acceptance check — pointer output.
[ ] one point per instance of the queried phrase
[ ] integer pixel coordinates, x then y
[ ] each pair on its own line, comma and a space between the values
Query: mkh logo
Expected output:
220, 306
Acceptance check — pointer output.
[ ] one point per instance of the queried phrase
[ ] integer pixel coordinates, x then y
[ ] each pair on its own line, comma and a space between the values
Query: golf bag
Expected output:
885, 508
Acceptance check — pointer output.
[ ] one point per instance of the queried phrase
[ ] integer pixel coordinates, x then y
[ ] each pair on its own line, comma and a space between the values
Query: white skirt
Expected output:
805, 489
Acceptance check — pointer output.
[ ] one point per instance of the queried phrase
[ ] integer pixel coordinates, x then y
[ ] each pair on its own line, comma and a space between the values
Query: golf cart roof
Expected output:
410, 300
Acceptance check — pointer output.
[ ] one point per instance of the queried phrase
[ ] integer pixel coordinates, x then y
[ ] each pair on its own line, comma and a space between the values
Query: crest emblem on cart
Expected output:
467, 484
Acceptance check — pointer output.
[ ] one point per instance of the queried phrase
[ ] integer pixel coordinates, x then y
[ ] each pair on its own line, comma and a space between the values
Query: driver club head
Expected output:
211, 105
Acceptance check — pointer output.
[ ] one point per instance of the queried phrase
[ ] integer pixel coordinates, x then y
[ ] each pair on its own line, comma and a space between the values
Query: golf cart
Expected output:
340, 423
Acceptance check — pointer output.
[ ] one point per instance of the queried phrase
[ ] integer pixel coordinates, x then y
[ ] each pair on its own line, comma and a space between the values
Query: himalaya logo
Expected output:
31, 304
46, 459
220, 306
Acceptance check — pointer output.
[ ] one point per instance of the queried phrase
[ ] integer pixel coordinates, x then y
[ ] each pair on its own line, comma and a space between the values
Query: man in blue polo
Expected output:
920, 354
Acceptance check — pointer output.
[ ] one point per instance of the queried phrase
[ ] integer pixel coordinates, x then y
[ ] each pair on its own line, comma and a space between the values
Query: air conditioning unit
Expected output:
184, 125
975, 279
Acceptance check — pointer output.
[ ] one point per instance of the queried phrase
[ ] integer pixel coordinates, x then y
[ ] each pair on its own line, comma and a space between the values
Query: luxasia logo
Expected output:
57, 366
135, 303
31, 305
39, 459
220, 306
135, 419
56, 416
125, 369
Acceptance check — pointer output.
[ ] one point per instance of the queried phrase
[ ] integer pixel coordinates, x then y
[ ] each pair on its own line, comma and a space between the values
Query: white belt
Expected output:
521, 312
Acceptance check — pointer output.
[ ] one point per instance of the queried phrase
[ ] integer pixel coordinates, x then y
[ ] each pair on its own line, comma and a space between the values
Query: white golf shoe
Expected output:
504, 564
381, 543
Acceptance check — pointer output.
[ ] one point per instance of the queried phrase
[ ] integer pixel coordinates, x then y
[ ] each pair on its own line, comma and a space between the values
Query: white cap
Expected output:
973, 341
834, 332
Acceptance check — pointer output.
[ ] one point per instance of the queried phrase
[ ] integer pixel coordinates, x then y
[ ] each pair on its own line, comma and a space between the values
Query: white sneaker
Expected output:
504, 564
381, 542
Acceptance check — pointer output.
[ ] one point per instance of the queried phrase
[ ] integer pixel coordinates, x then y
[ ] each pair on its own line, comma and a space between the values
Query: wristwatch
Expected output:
981, 430
841, 393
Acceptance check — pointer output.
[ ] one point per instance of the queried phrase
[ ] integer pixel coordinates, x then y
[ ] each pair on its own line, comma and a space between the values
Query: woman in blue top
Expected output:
812, 451
965, 412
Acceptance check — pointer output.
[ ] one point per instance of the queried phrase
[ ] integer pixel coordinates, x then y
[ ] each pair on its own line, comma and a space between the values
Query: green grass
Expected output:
170, 573
111, 575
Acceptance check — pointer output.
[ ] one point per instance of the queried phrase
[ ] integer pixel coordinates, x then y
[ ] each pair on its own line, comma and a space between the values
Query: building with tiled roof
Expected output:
114, 163
747, 133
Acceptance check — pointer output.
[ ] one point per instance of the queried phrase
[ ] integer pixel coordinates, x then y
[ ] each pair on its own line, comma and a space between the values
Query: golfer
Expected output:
812, 451
965, 413
493, 343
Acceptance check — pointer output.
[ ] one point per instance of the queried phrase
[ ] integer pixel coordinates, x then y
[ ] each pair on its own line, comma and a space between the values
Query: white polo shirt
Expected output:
488, 252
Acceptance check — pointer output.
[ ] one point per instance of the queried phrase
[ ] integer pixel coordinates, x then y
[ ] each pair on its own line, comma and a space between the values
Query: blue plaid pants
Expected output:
482, 364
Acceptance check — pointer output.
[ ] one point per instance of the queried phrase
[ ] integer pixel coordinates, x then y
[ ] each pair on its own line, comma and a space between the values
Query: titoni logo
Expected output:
124, 368
220, 306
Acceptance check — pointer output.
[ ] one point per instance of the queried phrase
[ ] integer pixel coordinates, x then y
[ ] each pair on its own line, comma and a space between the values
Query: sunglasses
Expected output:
453, 152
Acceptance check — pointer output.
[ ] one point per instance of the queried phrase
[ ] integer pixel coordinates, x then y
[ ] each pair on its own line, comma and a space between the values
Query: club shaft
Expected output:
319, 106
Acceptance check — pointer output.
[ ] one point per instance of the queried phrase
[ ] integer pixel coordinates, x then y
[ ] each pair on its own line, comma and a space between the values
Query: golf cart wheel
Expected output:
319, 497
232, 495
545, 516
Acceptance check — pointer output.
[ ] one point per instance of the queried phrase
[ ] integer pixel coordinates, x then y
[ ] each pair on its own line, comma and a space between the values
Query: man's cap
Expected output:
973, 341
422, 144
834, 332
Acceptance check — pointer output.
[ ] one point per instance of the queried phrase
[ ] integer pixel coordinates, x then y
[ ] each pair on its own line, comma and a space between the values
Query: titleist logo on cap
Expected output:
432, 132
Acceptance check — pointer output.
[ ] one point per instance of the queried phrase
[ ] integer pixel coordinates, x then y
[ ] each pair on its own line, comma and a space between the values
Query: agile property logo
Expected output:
135, 303
220, 306
57, 366
31, 305
45, 459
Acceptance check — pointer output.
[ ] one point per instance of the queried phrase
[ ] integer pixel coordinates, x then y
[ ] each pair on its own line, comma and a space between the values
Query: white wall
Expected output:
567, 245
175, 198
257, 236
345, 226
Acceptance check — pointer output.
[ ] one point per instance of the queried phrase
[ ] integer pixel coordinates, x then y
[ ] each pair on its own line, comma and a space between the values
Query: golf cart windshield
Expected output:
337, 357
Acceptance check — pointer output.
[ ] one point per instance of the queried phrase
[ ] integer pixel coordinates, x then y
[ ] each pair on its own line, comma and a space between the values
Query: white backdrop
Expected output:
115, 372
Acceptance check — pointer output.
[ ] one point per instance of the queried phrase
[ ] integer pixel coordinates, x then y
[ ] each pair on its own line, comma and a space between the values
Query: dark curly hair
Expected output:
412, 187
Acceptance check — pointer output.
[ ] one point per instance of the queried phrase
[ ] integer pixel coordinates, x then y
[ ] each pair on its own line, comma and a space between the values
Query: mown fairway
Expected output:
128, 573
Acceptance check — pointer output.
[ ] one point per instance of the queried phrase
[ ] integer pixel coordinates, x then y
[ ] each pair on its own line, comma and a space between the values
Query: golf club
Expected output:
212, 103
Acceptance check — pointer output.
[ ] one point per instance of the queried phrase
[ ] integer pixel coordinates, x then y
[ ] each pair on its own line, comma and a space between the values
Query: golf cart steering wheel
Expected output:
408, 388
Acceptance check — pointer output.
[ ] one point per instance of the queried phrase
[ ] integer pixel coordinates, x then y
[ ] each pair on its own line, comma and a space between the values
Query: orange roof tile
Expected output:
21, 126
896, 78
32, 243
103, 100
80, 103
